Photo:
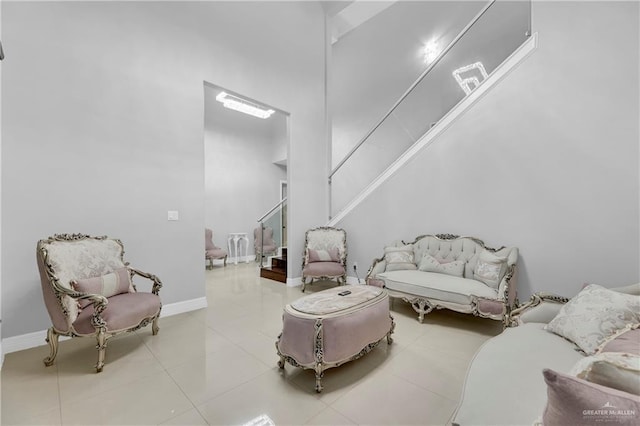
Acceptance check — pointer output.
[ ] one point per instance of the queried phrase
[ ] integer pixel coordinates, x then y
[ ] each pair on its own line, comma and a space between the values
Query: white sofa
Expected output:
505, 383
449, 271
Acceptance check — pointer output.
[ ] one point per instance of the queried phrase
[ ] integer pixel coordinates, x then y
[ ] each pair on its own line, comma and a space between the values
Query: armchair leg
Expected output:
101, 347
52, 340
154, 326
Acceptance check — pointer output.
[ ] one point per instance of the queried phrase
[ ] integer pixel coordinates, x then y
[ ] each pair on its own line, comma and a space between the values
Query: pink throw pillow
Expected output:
117, 282
331, 255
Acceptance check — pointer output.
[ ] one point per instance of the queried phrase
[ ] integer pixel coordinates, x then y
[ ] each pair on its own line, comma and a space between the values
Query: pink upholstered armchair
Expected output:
211, 251
88, 291
325, 255
263, 242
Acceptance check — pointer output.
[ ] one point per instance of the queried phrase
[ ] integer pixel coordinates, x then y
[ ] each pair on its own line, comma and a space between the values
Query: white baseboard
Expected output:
294, 282
37, 338
184, 306
241, 259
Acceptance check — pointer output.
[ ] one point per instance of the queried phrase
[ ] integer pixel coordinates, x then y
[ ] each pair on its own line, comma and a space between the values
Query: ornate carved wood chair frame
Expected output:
342, 278
61, 292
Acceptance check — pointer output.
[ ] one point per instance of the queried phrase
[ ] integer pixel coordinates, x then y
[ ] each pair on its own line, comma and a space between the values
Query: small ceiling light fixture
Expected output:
242, 105
430, 51
473, 80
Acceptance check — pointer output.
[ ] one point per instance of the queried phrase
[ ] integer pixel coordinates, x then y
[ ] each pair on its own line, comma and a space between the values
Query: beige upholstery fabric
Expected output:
437, 286
507, 370
429, 263
117, 282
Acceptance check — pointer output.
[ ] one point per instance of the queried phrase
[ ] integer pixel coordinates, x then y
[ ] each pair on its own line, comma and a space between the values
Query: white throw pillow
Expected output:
594, 315
429, 263
612, 369
399, 258
490, 269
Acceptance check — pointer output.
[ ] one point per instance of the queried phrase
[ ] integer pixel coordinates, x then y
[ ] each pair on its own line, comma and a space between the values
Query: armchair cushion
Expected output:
400, 258
123, 312
431, 264
117, 282
326, 269
330, 255
594, 315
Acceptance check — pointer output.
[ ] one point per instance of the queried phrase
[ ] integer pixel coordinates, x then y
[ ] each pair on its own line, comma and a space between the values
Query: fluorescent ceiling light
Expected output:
242, 105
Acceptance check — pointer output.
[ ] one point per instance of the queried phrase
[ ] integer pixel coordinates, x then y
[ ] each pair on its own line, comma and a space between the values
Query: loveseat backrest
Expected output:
451, 247
63, 258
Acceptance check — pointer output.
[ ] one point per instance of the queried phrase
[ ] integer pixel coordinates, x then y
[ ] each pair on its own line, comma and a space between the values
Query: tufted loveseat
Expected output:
449, 271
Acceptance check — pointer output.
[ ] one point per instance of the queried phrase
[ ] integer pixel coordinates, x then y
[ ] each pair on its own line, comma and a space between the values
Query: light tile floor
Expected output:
219, 366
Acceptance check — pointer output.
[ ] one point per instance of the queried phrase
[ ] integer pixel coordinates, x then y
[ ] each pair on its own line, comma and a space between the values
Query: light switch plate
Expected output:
173, 215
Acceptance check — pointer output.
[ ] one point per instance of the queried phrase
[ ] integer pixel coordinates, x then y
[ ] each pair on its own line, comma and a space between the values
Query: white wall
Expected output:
103, 127
241, 181
547, 161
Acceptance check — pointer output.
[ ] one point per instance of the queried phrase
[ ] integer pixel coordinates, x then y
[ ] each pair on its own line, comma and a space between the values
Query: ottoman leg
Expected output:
319, 374
281, 363
391, 330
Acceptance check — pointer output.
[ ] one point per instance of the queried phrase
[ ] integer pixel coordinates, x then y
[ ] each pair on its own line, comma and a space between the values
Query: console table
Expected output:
236, 238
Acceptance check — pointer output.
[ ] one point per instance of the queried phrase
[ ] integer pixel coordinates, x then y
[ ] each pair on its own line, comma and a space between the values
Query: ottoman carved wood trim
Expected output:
325, 330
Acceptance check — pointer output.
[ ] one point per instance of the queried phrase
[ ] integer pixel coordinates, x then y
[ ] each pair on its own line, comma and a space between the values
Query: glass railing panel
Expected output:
381, 149
498, 33
484, 45
273, 235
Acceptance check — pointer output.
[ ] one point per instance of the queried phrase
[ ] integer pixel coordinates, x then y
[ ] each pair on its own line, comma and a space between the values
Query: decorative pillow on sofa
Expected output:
331, 255
627, 342
612, 369
594, 315
490, 269
398, 258
431, 264
117, 282
573, 401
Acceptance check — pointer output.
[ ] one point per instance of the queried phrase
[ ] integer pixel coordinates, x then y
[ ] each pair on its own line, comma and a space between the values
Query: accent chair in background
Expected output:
211, 251
263, 242
325, 255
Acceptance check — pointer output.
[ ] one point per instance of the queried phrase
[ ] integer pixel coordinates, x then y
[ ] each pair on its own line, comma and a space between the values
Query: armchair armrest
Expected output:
157, 284
542, 307
378, 266
98, 301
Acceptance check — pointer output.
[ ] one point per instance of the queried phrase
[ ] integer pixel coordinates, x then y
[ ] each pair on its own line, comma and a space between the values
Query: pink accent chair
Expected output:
325, 255
88, 291
211, 251
261, 247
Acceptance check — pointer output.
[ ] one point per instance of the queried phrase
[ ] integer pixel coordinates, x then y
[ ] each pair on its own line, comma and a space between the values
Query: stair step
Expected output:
274, 274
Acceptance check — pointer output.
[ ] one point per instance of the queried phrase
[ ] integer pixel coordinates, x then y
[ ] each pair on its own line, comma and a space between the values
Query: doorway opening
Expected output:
245, 152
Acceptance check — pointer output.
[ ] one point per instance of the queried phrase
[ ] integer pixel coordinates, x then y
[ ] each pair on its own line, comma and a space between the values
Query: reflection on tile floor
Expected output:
218, 366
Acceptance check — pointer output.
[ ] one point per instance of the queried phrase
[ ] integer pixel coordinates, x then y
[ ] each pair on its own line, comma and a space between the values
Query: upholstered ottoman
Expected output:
334, 326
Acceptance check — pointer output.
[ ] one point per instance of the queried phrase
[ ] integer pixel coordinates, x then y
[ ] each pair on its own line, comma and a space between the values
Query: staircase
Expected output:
278, 269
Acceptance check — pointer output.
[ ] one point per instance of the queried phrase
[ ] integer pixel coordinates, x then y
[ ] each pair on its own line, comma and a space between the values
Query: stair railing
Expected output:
388, 123
271, 219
